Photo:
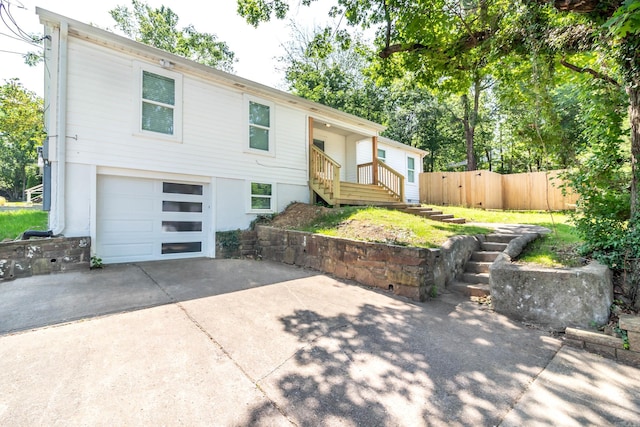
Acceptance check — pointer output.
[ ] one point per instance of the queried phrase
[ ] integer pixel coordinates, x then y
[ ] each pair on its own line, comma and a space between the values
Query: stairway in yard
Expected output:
475, 279
430, 213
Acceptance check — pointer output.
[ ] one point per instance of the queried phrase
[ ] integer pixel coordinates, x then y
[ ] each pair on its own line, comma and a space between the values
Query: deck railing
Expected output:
388, 178
34, 193
325, 173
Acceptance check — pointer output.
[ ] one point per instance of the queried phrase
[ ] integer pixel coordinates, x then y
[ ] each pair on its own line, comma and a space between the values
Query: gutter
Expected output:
61, 125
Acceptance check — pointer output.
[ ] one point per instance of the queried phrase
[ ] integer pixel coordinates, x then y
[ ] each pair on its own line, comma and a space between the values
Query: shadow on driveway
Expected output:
46, 300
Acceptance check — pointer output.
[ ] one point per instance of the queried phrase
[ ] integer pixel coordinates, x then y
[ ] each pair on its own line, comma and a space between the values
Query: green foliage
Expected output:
21, 132
389, 226
14, 223
159, 28
96, 262
602, 176
229, 240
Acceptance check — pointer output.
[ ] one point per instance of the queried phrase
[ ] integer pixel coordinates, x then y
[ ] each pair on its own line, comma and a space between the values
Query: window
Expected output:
261, 197
158, 102
411, 169
382, 155
259, 126
319, 143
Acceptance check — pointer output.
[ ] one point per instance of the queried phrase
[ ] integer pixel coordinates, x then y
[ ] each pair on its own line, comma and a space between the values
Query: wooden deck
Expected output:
386, 188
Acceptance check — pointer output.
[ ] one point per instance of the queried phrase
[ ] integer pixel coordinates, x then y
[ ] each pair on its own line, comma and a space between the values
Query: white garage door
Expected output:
145, 219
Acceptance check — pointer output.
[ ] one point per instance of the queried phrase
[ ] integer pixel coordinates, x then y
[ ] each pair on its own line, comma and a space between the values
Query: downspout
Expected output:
61, 125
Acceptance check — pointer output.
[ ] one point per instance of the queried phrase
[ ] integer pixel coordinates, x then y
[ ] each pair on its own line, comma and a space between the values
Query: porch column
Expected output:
374, 159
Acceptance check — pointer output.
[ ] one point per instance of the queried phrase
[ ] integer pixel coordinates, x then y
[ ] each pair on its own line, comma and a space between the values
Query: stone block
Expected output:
557, 298
629, 322
629, 357
602, 350
634, 340
594, 337
574, 343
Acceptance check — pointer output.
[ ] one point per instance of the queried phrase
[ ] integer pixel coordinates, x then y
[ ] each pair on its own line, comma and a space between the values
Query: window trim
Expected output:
138, 69
411, 170
272, 198
247, 125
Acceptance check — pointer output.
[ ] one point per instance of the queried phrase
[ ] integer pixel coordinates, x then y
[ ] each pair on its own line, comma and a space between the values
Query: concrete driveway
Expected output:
234, 343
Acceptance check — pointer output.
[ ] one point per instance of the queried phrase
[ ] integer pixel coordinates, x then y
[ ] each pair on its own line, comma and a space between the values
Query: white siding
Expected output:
334, 147
102, 98
397, 159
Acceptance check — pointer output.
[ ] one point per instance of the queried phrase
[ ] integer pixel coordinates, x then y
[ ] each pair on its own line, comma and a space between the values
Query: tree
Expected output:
159, 28
21, 132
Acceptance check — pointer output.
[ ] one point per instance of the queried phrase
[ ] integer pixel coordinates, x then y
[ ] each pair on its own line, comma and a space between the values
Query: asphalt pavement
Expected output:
239, 342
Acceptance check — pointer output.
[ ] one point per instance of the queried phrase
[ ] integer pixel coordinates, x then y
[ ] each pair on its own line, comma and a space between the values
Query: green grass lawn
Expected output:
388, 226
555, 249
14, 223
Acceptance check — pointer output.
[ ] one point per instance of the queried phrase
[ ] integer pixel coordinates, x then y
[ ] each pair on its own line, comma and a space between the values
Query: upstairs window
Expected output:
260, 126
158, 103
411, 169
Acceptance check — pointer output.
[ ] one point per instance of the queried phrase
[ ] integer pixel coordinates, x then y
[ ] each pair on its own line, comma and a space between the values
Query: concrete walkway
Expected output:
234, 343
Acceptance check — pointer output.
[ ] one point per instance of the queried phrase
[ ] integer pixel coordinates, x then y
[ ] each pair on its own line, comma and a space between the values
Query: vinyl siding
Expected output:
102, 113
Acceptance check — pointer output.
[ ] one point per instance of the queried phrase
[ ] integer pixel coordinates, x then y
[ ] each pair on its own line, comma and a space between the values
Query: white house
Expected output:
151, 154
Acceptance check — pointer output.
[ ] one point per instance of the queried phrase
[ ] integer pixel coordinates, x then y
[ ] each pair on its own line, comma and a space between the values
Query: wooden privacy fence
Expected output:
490, 190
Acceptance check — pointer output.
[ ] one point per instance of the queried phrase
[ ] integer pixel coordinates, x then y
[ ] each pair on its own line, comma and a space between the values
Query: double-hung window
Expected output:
382, 155
261, 134
159, 103
411, 169
262, 197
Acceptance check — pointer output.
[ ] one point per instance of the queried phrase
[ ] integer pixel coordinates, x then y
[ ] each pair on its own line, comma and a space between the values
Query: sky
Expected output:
255, 49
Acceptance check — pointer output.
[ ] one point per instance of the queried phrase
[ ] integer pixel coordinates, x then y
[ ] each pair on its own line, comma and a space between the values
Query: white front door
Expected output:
142, 219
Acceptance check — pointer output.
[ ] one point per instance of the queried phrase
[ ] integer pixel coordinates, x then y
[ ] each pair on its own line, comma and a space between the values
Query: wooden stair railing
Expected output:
388, 178
325, 175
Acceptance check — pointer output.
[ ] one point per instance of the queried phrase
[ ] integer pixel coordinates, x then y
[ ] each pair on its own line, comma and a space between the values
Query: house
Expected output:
151, 154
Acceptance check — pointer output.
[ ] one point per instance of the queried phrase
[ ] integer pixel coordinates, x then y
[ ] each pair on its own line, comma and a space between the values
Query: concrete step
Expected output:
484, 256
476, 278
441, 217
493, 246
470, 289
477, 267
455, 220
418, 208
501, 238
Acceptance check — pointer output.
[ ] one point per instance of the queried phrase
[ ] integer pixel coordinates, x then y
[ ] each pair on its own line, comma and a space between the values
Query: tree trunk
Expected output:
634, 118
469, 129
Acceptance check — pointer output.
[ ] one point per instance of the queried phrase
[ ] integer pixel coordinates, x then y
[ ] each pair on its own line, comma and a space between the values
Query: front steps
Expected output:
474, 281
431, 214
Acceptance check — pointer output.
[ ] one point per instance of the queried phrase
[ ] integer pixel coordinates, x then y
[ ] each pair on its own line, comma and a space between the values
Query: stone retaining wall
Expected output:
553, 297
607, 345
23, 258
416, 273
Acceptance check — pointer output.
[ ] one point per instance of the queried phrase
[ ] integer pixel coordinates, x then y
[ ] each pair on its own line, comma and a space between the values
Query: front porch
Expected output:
372, 183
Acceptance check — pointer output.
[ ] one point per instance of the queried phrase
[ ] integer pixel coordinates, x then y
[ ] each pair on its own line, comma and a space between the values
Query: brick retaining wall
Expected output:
23, 258
417, 273
607, 345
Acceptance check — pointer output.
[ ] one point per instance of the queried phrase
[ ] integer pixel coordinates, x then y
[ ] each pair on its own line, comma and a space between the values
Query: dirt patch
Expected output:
298, 215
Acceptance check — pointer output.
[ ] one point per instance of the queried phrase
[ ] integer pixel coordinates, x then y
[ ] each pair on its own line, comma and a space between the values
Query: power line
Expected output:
20, 39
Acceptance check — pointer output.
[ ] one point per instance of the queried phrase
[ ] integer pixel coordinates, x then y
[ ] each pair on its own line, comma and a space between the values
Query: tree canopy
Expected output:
159, 28
21, 132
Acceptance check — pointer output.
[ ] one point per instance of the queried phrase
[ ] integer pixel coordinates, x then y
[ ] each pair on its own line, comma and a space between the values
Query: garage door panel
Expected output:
127, 226
127, 250
143, 219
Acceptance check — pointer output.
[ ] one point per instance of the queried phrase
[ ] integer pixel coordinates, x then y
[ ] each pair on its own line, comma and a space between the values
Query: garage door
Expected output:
144, 219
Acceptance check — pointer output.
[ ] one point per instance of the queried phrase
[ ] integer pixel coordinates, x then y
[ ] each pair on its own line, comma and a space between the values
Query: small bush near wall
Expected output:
25, 258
